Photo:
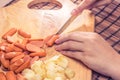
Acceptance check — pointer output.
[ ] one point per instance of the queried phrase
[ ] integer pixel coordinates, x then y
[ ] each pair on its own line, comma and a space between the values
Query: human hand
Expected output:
92, 50
88, 4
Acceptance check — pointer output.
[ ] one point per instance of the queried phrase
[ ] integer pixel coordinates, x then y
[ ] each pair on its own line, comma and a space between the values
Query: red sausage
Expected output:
24, 34
4, 61
10, 75
11, 32
2, 76
16, 64
26, 64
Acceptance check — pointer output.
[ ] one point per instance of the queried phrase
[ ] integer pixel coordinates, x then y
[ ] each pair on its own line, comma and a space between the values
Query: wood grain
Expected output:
41, 23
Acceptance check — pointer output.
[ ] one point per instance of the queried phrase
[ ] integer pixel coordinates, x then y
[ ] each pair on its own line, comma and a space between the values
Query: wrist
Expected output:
114, 71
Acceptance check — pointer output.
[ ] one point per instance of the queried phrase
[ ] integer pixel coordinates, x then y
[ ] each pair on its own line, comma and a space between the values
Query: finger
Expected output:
70, 45
75, 55
85, 4
70, 36
64, 37
74, 36
102, 3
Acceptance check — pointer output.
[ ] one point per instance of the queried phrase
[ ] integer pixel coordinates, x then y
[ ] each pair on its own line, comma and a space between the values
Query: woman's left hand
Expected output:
91, 49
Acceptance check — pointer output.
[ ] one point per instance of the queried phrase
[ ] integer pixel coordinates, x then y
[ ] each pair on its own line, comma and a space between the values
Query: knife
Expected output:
73, 17
67, 23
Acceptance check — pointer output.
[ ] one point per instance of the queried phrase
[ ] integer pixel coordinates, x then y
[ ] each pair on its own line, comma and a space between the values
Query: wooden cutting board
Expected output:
41, 23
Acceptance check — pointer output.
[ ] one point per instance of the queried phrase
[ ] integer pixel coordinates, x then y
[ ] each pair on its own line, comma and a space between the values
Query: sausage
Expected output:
11, 55
3, 43
34, 59
51, 41
8, 49
10, 39
47, 38
35, 40
3, 68
26, 57
4, 61
10, 75
17, 49
2, 47
25, 41
11, 32
26, 64
40, 54
17, 58
12, 47
22, 46
39, 43
33, 48
2, 76
16, 64
24, 34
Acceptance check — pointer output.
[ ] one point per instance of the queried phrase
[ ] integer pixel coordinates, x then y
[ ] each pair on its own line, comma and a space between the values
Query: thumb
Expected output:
74, 54
85, 4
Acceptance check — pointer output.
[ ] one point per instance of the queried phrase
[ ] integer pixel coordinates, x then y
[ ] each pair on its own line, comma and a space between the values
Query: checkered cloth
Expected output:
108, 26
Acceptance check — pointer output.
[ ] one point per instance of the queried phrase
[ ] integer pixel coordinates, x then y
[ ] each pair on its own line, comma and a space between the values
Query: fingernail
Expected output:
62, 52
56, 48
56, 41
73, 12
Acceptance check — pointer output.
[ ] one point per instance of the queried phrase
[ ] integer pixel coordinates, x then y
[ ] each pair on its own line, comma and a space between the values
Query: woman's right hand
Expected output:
88, 4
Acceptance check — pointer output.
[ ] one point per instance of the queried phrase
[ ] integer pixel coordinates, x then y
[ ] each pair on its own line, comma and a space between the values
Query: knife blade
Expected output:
67, 23
73, 17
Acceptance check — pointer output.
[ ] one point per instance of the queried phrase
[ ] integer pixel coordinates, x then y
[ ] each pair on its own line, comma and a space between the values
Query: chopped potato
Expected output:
62, 61
47, 79
69, 73
59, 78
59, 60
28, 74
39, 68
50, 69
38, 77
55, 68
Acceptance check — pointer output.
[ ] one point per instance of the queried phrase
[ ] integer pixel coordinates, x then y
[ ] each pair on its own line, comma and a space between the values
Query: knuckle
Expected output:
72, 54
69, 44
70, 36
94, 37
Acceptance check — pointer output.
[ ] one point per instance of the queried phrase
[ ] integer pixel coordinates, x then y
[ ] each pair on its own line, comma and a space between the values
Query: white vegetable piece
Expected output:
39, 68
69, 73
55, 68
29, 74
59, 78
